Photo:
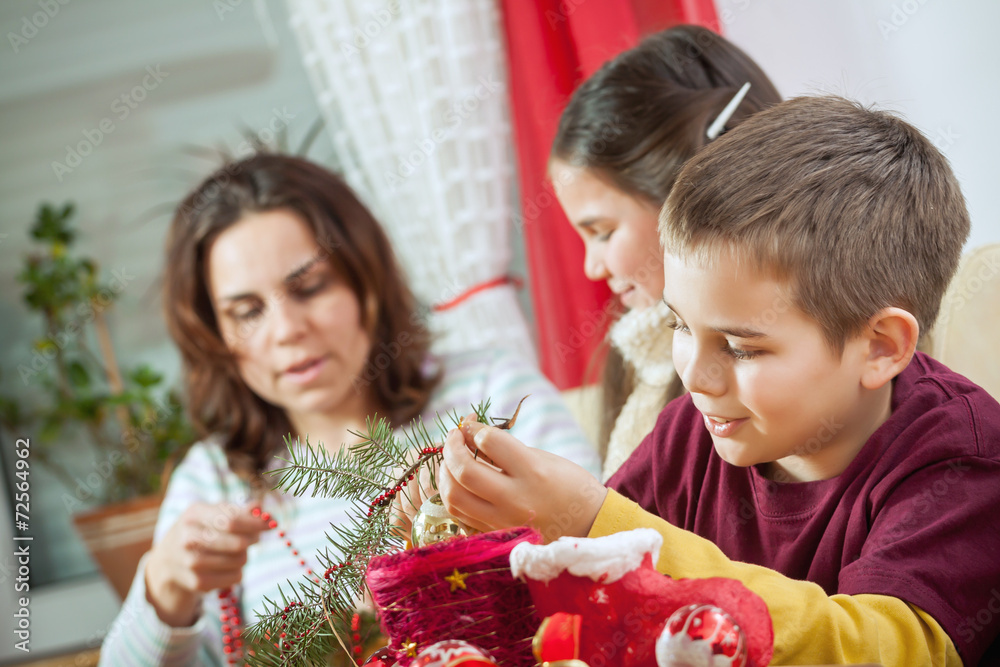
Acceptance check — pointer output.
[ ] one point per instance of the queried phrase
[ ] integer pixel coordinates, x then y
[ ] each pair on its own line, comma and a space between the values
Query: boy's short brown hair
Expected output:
854, 208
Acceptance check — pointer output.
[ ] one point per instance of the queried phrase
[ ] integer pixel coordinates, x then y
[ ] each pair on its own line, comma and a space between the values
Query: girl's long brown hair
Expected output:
221, 404
638, 119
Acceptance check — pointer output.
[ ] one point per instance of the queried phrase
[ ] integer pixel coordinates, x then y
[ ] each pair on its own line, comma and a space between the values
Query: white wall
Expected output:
933, 61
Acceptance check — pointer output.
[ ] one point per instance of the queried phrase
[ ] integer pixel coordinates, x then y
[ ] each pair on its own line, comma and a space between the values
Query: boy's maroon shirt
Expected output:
915, 516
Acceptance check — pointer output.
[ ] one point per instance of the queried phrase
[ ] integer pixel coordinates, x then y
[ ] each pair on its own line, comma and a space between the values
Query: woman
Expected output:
621, 142
292, 318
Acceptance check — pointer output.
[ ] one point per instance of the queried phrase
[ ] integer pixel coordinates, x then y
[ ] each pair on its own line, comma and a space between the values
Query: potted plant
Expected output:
134, 426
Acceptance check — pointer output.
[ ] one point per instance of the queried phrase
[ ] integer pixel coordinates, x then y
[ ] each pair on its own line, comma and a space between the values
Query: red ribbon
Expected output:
476, 289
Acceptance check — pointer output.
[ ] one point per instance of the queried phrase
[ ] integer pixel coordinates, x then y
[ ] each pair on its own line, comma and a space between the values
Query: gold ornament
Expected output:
433, 524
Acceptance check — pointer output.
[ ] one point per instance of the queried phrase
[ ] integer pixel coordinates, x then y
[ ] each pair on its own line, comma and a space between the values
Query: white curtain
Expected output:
414, 94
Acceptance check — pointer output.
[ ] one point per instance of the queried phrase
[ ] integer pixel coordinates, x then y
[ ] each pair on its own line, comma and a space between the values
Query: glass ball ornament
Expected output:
701, 635
433, 524
453, 653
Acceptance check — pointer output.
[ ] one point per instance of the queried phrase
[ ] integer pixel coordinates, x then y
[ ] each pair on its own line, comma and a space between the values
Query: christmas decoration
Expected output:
460, 590
232, 623
701, 636
433, 524
451, 653
623, 602
316, 612
384, 657
478, 599
558, 638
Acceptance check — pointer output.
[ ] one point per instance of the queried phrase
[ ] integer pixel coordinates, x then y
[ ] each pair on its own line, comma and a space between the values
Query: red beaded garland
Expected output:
232, 624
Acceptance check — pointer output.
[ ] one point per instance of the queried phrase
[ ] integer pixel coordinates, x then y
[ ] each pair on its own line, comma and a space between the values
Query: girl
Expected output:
621, 142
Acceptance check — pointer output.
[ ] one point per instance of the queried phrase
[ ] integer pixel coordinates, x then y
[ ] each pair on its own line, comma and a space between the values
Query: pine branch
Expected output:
315, 615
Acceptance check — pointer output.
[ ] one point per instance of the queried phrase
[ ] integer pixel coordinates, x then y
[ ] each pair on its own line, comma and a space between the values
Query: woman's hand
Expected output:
205, 550
523, 486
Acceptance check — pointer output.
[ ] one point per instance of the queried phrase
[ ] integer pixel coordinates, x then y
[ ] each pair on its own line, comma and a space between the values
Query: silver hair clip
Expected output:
715, 129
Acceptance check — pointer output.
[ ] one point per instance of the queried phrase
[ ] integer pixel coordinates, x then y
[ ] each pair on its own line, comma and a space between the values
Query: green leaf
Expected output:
10, 413
52, 226
89, 409
144, 376
78, 375
50, 430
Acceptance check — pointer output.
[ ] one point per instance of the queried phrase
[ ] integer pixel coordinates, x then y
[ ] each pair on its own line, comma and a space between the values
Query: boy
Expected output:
847, 479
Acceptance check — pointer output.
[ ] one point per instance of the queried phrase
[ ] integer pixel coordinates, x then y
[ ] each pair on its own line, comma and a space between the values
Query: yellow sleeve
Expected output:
810, 627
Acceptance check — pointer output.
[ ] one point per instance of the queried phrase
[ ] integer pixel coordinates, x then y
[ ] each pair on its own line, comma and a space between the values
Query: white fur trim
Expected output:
605, 559
645, 340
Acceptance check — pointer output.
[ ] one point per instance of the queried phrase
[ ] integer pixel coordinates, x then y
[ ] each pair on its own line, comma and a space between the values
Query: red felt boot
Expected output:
625, 603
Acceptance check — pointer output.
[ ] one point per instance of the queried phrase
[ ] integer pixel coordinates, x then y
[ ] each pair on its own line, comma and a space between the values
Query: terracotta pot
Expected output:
117, 536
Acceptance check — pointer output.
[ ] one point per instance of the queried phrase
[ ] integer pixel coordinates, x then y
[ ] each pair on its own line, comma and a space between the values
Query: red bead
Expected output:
288, 543
265, 516
227, 649
227, 640
281, 534
302, 562
272, 524
223, 593
225, 628
295, 552
255, 511
283, 635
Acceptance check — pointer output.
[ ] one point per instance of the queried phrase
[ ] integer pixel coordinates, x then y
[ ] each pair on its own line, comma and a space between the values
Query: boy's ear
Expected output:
892, 337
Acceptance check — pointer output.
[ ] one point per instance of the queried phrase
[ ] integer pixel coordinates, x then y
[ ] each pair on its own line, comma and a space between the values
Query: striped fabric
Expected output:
138, 637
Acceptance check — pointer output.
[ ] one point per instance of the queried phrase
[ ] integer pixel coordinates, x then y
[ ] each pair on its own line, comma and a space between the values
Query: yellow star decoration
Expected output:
410, 647
457, 580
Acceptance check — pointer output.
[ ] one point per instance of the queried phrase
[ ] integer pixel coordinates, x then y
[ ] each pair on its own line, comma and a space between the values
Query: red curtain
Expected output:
552, 46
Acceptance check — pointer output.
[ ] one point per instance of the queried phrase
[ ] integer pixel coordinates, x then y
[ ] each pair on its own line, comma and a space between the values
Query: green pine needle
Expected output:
321, 612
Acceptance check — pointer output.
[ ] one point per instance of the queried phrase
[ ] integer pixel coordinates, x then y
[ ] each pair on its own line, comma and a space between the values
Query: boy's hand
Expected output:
524, 486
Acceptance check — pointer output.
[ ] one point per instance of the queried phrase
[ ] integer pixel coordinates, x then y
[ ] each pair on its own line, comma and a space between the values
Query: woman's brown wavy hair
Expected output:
221, 405
638, 119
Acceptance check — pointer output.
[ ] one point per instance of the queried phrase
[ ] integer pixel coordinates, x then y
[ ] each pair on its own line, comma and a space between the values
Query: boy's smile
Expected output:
769, 387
